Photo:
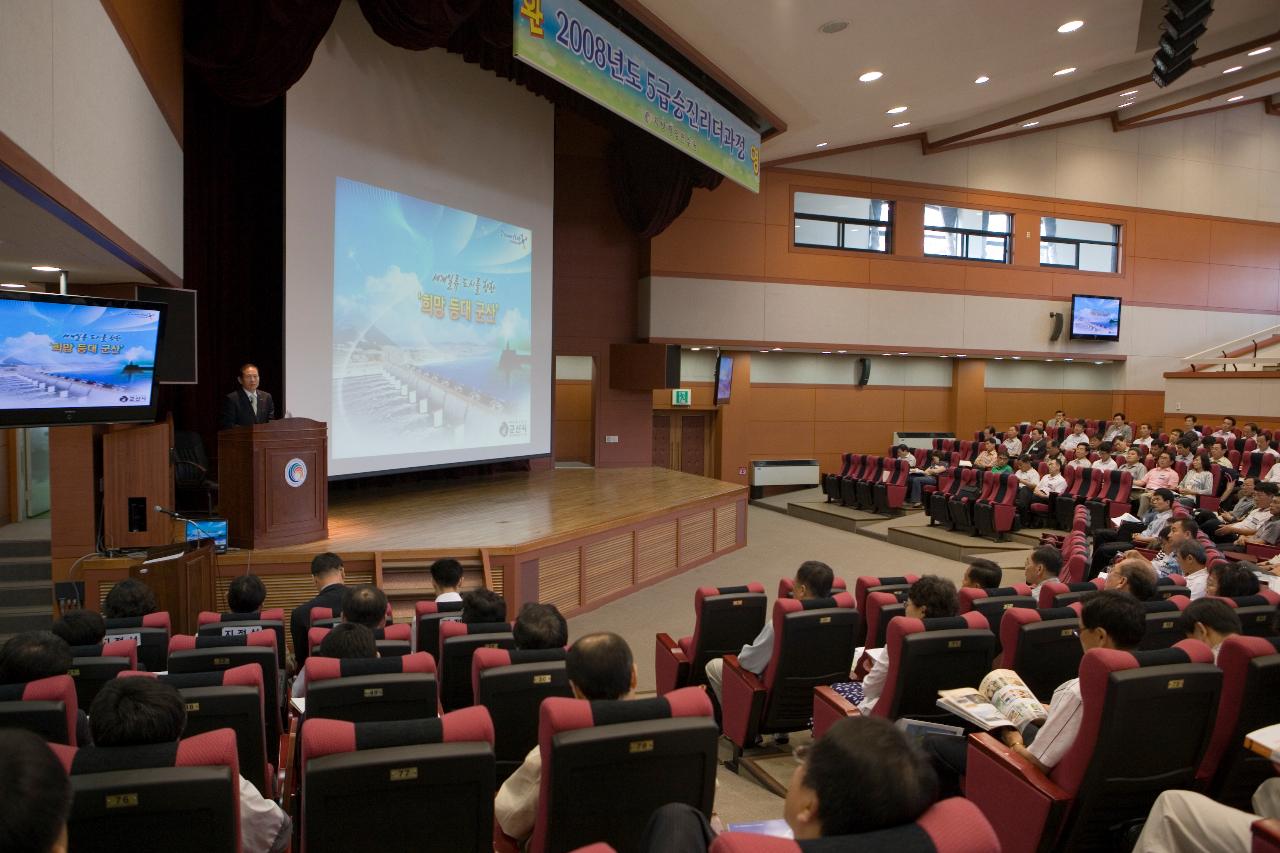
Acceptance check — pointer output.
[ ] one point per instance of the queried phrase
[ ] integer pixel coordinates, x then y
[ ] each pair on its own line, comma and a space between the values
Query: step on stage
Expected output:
574, 537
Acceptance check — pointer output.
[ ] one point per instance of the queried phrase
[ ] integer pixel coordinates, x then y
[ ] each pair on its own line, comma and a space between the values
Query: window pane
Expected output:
991, 248
942, 216
1058, 254
1076, 229
848, 207
946, 244
869, 238
1097, 258
814, 232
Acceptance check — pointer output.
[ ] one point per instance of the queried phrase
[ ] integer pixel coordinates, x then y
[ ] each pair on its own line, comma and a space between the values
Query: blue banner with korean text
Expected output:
569, 42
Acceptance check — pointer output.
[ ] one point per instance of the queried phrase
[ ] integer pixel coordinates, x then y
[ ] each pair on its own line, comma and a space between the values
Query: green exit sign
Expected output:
681, 397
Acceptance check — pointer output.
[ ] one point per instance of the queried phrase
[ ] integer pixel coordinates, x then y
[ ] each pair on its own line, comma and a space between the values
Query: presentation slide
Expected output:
1095, 316
53, 355
431, 326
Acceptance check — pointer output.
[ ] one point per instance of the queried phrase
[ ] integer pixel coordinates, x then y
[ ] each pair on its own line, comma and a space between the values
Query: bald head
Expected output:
600, 666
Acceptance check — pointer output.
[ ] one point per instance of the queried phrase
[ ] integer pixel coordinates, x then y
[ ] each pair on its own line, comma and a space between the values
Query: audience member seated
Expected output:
142, 711
35, 795
1191, 424
1218, 455
1244, 500
821, 802
1231, 580
600, 668
1059, 421
1104, 461
1028, 479
1133, 464
1210, 621
1002, 465
329, 576
1077, 437
1264, 445
987, 457
1191, 563
813, 580
1054, 453
1135, 576
1144, 436
1186, 821
927, 477
1163, 476
32, 655
982, 573
1174, 534
540, 626
1042, 565
344, 640
365, 605
1108, 543
446, 574
246, 594
1198, 481
1109, 619
1226, 432
1268, 532
1230, 528
1035, 446
1185, 449
81, 628
128, 599
1052, 483
483, 605
1080, 457
1118, 429
1012, 444
931, 597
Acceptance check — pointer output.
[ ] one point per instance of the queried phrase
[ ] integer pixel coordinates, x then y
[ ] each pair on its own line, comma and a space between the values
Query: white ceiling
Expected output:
31, 236
930, 52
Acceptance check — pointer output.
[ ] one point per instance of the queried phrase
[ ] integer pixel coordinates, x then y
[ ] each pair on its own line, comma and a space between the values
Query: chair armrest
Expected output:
741, 702
1265, 552
1025, 807
288, 789
670, 664
1209, 503
829, 707
503, 843
1266, 835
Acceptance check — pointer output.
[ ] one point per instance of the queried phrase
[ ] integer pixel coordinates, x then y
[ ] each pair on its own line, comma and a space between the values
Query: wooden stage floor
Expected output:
509, 511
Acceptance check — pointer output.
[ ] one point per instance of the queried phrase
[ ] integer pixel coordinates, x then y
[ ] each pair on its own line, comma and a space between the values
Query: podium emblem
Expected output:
295, 472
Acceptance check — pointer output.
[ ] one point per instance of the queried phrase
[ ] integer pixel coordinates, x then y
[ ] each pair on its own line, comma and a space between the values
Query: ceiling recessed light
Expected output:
870, 76
983, 79
1126, 104
777, 349
1063, 72
1128, 93
826, 352
696, 349
887, 353
895, 111
1068, 359
1099, 362
1017, 358
904, 353
1031, 124
902, 124
1048, 359
764, 350
14, 286
942, 356
1259, 51
841, 351
999, 358
833, 27
822, 145
1233, 69
1070, 26
1235, 98
47, 269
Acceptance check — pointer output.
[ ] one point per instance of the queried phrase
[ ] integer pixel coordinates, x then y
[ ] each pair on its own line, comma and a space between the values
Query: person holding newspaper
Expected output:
1110, 619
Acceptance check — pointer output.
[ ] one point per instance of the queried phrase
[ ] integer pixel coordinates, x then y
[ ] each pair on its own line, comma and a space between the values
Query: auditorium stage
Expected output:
576, 537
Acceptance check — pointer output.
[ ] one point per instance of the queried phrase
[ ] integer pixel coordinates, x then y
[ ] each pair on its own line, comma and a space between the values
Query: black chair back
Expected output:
815, 650
157, 810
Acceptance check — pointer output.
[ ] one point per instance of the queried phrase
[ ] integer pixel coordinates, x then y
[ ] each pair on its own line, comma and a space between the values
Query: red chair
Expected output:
1044, 507
960, 507
214, 654
150, 632
881, 607
993, 603
995, 515
392, 640
209, 624
1054, 594
368, 690
937, 500
183, 795
606, 766
872, 474
1041, 646
949, 826
458, 642
831, 482
1112, 773
1083, 488
725, 619
888, 495
928, 491
787, 587
925, 656
1250, 668
849, 483
1111, 499
511, 684
427, 616
867, 584
1266, 836
1257, 612
813, 646
1162, 623
94, 666
46, 706
387, 772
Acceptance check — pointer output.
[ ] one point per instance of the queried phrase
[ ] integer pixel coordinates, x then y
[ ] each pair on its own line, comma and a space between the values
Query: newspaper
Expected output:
1265, 741
1003, 699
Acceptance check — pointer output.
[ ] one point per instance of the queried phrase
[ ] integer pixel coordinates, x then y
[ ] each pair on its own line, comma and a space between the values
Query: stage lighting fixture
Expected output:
1183, 25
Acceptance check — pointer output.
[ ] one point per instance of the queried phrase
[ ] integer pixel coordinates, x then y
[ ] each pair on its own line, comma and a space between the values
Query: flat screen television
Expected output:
77, 359
724, 378
209, 528
1095, 318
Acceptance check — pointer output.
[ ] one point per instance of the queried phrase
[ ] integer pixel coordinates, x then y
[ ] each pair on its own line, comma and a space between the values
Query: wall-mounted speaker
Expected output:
864, 371
1057, 325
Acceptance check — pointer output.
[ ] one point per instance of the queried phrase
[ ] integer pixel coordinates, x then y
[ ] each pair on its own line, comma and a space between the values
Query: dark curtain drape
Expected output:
249, 52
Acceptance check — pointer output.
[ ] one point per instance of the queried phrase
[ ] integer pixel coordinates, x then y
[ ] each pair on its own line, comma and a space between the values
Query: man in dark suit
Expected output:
329, 575
247, 405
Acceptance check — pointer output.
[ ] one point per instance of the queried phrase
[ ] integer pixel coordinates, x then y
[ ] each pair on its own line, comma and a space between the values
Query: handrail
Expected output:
1250, 339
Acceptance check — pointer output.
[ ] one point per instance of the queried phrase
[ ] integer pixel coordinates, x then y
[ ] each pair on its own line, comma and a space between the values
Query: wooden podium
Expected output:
273, 481
183, 579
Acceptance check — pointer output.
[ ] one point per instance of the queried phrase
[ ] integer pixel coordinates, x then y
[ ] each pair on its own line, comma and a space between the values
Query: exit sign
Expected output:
681, 397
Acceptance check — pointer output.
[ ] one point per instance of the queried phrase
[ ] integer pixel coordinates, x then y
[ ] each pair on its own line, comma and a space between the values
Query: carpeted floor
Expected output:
776, 545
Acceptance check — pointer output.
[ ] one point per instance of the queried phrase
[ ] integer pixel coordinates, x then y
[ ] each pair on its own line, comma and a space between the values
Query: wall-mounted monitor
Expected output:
77, 360
724, 378
1095, 318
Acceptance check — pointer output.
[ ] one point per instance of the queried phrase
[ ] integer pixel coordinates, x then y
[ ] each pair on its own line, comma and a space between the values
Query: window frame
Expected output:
968, 233
889, 225
1078, 242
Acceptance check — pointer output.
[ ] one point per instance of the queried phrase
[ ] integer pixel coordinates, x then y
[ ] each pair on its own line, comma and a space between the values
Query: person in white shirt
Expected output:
1186, 821
1028, 478
1226, 432
1190, 424
1209, 620
1077, 437
1118, 429
1191, 562
1218, 454
1012, 444
1144, 436
1058, 421
1081, 458
1264, 445
1252, 522
1041, 566
1104, 460
1052, 483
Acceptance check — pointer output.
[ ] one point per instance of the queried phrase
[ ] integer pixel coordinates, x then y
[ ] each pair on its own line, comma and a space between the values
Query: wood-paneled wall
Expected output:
1175, 260
572, 428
